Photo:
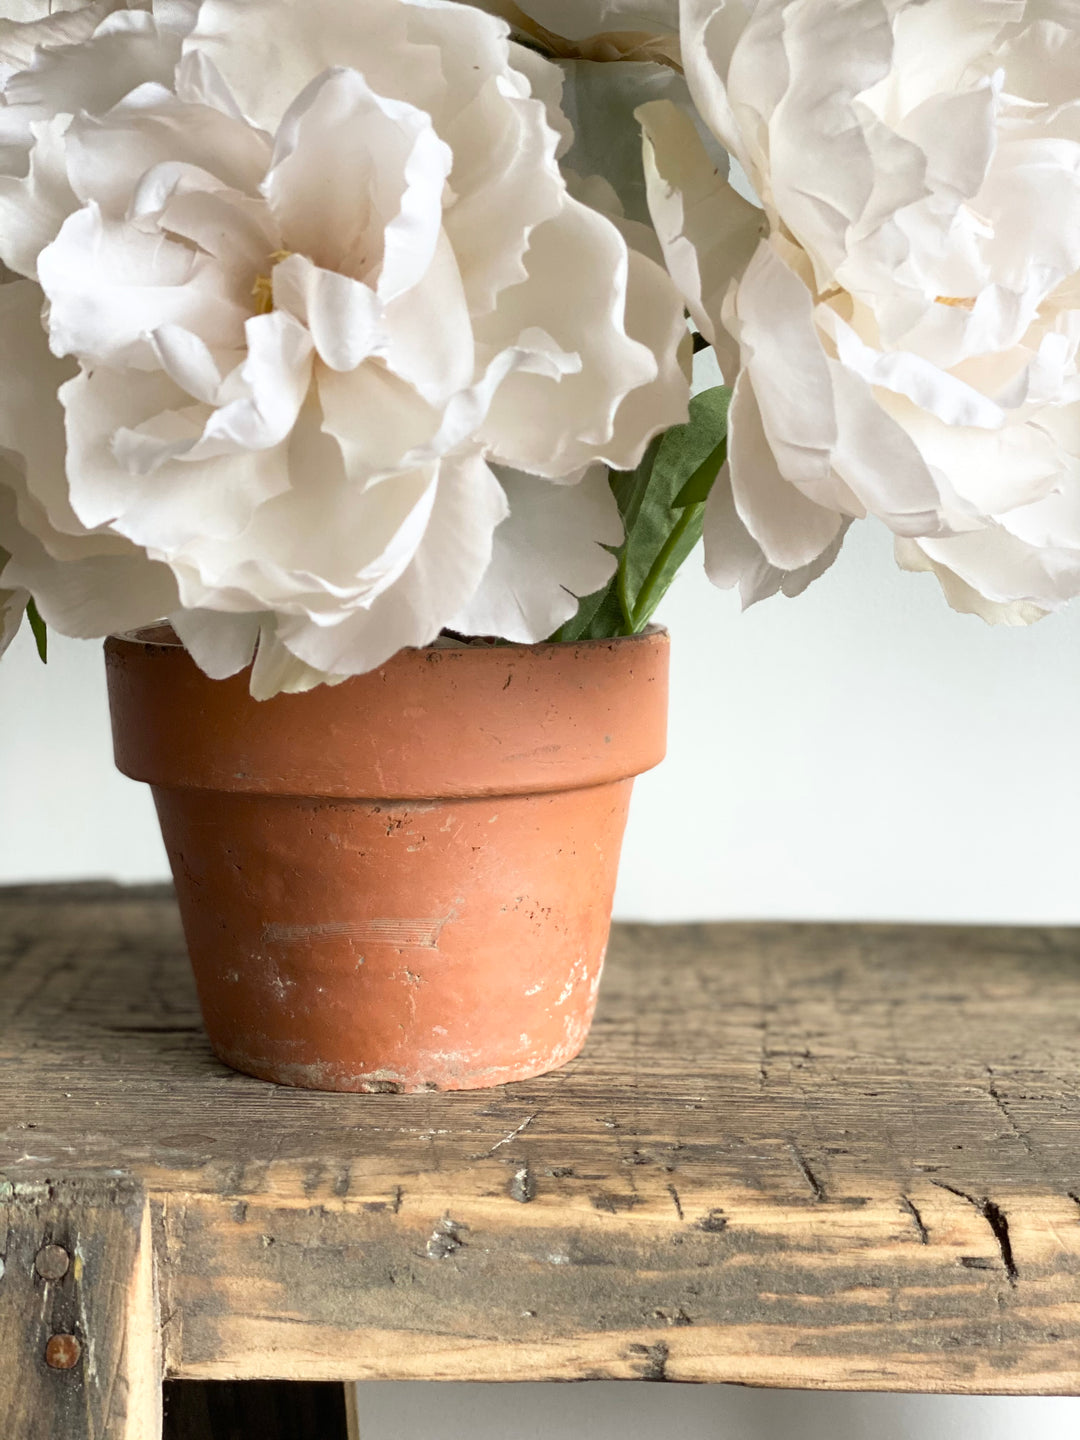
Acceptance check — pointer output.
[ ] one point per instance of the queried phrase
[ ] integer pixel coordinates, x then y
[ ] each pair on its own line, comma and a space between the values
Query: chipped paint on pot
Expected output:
404, 882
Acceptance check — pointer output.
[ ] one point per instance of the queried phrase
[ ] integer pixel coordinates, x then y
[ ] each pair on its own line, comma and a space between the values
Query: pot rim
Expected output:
161, 636
445, 721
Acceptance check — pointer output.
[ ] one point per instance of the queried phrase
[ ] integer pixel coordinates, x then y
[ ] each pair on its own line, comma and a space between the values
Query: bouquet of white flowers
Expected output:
332, 331
325, 330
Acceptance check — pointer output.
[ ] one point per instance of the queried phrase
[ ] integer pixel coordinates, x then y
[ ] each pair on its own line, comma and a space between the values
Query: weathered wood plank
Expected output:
837, 1156
79, 1351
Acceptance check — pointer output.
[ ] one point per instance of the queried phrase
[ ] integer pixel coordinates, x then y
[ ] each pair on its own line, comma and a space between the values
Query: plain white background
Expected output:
860, 752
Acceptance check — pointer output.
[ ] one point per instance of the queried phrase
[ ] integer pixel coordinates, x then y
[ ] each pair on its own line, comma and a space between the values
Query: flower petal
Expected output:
110, 286
269, 387
734, 558
345, 317
93, 591
108, 155
547, 553
790, 528
581, 265
708, 232
357, 181
445, 571
220, 644
32, 208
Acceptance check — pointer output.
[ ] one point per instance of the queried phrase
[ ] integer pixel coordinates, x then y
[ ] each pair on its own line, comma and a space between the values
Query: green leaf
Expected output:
662, 504
666, 525
37, 625
696, 490
599, 616
631, 486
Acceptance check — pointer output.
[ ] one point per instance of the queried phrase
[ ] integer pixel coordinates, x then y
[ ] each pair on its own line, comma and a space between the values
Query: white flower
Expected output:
903, 316
310, 284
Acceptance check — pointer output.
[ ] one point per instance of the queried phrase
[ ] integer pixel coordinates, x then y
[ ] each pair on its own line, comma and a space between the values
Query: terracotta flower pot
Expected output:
403, 882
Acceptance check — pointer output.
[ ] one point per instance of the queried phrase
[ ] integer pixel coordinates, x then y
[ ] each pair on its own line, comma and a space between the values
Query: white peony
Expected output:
309, 285
903, 316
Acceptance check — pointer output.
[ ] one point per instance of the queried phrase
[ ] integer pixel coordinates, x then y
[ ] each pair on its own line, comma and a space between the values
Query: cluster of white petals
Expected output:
331, 358
902, 313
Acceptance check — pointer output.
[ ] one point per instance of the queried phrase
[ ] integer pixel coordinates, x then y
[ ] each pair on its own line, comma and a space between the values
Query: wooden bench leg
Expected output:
79, 1332
256, 1410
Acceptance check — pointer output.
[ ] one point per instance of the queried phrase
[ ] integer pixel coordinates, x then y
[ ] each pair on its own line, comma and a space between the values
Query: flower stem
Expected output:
652, 591
624, 597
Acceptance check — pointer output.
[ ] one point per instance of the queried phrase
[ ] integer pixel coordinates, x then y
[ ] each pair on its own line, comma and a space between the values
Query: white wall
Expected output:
860, 752
614, 1410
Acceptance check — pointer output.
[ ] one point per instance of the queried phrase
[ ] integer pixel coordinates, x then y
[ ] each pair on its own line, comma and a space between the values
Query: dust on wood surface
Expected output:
812, 1155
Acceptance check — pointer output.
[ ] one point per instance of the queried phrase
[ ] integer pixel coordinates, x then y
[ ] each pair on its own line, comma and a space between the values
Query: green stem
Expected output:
624, 596
649, 596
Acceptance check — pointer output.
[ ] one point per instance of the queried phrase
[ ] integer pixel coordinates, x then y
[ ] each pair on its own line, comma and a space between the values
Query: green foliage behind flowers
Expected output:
37, 626
662, 504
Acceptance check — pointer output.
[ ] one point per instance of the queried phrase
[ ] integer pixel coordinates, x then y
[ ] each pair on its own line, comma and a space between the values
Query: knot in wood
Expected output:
52, 1262
63, 1352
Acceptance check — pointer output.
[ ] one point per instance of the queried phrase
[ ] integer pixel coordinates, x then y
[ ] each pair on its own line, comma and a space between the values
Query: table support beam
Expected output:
79, 1330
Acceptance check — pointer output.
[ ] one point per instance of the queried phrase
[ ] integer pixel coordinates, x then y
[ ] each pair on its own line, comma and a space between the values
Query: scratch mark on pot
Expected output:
423, 933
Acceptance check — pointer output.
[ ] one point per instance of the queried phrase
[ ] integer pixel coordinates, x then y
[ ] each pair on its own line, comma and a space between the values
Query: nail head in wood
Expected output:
52, 1262
63, 1352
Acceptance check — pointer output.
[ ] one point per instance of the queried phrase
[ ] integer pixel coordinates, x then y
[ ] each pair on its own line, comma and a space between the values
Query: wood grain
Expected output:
818, 1156
79, 1347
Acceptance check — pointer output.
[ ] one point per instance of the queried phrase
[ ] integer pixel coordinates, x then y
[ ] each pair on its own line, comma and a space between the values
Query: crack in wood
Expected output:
998, 1222
908, 1206
995, 1096
808, 1175
507, 1138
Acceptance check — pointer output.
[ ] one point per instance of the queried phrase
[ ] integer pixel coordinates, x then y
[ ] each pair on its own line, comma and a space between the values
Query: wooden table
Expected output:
825, 1156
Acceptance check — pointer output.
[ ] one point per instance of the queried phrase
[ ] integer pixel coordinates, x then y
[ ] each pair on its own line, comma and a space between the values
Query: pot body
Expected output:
403, 882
